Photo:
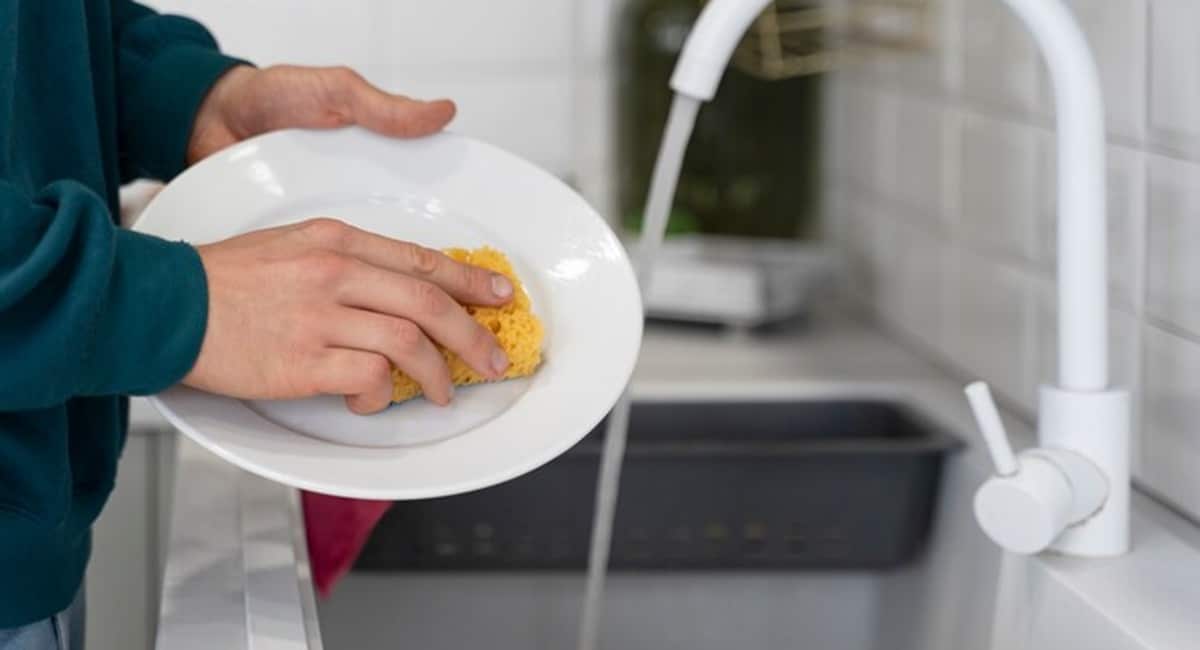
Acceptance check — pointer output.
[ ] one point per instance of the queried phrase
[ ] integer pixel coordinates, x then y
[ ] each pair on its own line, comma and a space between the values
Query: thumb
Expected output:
394, 115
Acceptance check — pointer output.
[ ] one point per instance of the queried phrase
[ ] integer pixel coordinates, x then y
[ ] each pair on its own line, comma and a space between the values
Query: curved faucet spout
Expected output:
710, 45
1082, 229
1079, 107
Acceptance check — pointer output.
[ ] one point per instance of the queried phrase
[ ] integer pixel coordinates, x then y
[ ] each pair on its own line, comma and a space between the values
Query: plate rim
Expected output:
162, 401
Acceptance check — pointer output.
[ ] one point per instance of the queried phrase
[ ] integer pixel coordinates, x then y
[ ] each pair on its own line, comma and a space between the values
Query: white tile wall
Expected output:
923, 159
1174, 82
923, 275
512, 66
1127, 226
992, 328
471, 33
1173, 269
1170, 445
528, 113
835, 161
994, 250
891, 261
500, 36
1047, 199
1000, 63
278, 31
868, 140
937, 71
1116, 30
595, 30
864, 255
592, 145
1000, 180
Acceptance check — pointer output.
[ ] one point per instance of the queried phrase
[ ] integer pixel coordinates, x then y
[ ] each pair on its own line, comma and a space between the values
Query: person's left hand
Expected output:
248, 101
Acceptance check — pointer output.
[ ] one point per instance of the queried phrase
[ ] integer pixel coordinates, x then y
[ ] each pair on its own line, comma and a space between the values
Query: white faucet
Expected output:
1071, 493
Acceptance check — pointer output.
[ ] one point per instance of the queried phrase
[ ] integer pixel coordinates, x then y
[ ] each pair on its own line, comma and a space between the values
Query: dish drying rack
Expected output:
794, 38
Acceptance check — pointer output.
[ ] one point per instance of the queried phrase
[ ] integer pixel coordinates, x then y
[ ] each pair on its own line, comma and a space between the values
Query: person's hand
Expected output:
247, 101
321, 307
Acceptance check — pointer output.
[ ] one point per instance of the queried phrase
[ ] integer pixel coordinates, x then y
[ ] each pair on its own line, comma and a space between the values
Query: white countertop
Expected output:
144, 418
1151, 593
832, 353
237, 572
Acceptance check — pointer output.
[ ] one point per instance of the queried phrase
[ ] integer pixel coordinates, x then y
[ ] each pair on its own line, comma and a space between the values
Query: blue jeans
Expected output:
63, 631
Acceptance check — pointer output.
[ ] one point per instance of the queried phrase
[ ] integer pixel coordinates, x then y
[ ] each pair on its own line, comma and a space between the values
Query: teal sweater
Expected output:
92, 93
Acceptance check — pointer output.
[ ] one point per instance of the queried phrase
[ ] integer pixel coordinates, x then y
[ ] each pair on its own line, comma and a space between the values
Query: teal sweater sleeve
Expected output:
91, 92
87, 308
165, 68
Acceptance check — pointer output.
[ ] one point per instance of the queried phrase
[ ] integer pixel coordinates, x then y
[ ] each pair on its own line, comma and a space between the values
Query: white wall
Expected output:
941, 181
528, 75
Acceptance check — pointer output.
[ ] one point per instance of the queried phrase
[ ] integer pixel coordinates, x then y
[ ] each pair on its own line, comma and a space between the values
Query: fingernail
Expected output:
499, 361
501, 286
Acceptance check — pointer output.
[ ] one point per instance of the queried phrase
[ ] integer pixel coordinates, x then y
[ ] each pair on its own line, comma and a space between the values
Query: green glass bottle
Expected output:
752, 165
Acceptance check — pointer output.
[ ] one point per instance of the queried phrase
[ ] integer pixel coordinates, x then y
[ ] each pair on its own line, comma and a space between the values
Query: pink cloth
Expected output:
337, 529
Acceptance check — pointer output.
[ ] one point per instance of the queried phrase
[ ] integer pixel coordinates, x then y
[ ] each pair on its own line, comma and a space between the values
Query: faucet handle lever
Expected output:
994, 435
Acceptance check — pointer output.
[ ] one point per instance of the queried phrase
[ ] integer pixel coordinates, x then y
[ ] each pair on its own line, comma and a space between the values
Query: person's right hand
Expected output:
321, 307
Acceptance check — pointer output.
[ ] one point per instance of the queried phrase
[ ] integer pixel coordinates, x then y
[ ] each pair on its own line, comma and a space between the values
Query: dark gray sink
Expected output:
706, 485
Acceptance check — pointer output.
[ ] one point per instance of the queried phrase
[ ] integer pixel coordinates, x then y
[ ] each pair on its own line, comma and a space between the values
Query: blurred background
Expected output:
907, 145
925, 152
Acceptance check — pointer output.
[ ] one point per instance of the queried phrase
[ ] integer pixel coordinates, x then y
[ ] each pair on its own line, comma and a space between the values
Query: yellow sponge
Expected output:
516, 328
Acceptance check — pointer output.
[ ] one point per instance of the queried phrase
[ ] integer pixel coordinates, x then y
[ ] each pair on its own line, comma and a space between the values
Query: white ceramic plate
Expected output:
446, 190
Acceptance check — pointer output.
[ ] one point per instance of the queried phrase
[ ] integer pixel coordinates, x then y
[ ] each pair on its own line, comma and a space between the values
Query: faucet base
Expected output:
1095, 425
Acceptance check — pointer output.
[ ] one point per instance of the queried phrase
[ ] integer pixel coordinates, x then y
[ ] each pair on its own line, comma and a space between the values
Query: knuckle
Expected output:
431, 300
424, 260
344, 79
477, 281
317, 385
483, 342
376, 370
304, 335
328, 231
314, 384
406, 335
322, 379
327, 268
